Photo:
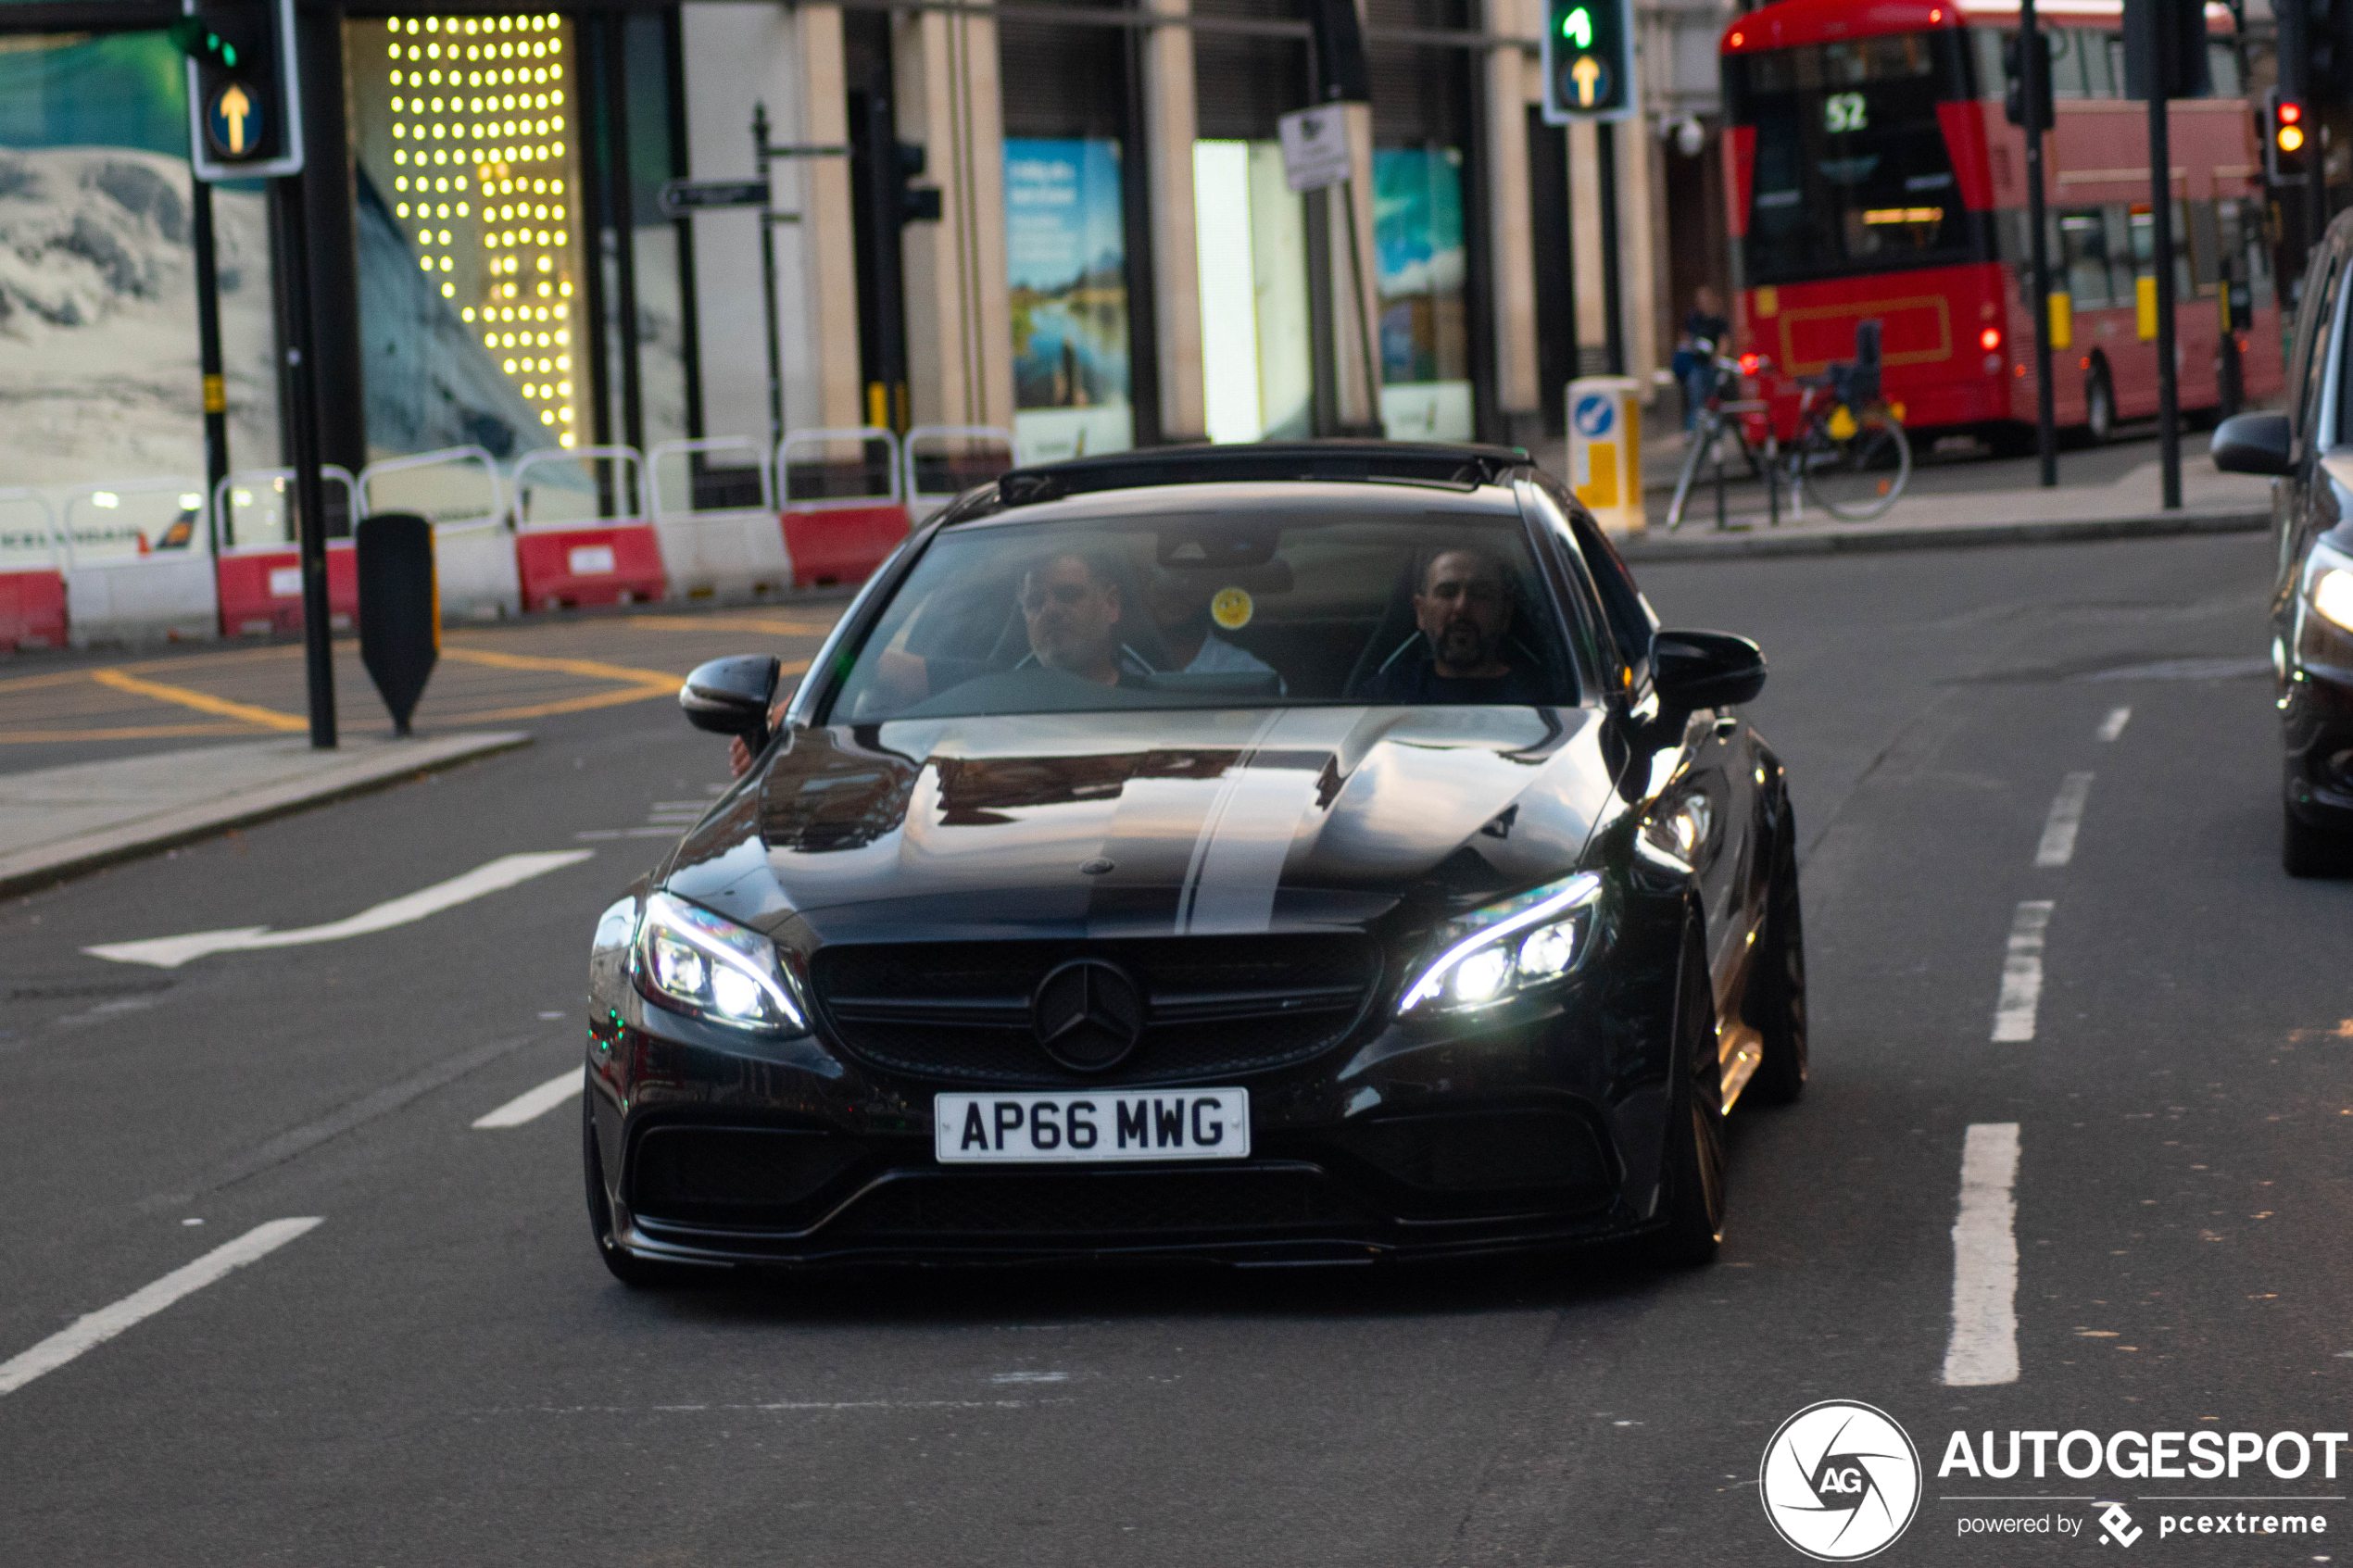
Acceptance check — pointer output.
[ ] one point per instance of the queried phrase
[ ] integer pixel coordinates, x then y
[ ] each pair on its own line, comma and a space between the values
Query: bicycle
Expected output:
1851, 455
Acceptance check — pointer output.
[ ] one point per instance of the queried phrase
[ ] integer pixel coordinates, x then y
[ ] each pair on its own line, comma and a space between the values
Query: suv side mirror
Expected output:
1695, 670
2252, 443
732, 696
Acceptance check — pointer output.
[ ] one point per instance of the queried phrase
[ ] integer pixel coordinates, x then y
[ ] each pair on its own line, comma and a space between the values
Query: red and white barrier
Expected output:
581, 536
260, 556
843, 514
939, 463
714, 545
473, 543
33, 582
138, 562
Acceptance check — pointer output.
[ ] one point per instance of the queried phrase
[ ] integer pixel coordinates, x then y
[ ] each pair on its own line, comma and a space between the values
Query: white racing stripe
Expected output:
2022, 971
532, 1104
2113, 725
170, 952
1246, 836
2067, 815
1985, 1344
95, 1328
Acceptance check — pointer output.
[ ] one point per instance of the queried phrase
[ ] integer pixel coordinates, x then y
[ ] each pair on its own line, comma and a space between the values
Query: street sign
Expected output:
1588, 60
681, 196
245, 93
1314, 147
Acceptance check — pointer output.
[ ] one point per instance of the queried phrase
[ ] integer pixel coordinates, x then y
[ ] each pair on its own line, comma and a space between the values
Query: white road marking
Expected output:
2022, 971
2067, 814
532, 1104
95, 1328
170, 952
2113, 725
1985, 1344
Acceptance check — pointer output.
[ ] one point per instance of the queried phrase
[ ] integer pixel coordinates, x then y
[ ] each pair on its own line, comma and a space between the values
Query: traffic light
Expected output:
914, 203
1588, 60
2286, 129
2013, 75
244, 102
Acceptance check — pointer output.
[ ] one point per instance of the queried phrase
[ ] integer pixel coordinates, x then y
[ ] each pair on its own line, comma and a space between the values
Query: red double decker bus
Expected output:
1871, 174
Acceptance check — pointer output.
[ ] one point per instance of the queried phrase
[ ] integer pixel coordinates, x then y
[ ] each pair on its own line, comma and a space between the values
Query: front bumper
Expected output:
1541, 1123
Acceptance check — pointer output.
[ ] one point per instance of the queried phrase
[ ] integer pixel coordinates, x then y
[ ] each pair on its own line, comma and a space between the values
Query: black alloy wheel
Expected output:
1776, 1001
2099, 407
2307, 851
1694, 1157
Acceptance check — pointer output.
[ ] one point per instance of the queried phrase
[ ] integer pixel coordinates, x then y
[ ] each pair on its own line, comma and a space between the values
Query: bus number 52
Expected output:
1843, 111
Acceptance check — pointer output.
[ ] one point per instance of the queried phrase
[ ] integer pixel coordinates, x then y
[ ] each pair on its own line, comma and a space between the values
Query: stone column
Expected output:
1511, 289
1167, 169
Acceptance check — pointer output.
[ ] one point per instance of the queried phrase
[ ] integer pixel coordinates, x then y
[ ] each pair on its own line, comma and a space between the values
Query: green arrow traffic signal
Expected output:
197, 41
1578, 27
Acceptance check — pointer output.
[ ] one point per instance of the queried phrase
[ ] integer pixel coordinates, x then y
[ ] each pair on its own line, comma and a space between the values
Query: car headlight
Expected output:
692, 960
1496, 952
2332, 598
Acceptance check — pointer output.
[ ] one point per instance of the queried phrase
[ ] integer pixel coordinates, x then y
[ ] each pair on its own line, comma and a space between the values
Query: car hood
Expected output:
1146, 823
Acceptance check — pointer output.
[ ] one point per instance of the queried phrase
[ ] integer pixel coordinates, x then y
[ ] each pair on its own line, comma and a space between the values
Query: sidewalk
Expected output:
59, 823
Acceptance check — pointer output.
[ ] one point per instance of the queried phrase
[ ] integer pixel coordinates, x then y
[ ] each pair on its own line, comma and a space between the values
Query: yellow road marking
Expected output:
203, 702
581, 704
591, 668
61, 678
148, 732
781, 625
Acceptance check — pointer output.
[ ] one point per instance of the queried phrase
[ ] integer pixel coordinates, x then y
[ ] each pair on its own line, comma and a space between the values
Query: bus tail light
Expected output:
1990, 339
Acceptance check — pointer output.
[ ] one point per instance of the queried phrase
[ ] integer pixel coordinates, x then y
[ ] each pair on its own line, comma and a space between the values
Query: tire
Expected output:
2099, 408
1776, 1001
1693, 1163
2307, 851
1857, 479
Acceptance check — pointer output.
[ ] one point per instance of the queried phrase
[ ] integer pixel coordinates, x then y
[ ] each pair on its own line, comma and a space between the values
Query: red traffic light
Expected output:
1749, 363
2289, 112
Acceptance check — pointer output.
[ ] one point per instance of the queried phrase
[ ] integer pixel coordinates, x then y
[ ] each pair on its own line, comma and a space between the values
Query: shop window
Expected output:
1251, 234
471, 259
1067, 259
1418, 240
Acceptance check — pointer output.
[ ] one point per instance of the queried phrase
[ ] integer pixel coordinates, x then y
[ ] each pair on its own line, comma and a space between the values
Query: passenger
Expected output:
1179, 604
1465, 611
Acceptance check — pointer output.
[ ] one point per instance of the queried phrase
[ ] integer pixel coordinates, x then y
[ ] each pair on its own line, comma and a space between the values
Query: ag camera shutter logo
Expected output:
1840, 1481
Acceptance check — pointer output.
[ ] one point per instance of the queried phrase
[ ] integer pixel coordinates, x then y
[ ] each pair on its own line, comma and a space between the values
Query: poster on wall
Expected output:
1067, 258
1425, 348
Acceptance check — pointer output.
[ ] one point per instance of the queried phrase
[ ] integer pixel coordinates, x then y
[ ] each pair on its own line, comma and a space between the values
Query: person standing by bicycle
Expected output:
1705, 331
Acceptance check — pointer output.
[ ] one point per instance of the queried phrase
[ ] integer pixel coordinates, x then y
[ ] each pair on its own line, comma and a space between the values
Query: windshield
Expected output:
1849, 171
1227, 609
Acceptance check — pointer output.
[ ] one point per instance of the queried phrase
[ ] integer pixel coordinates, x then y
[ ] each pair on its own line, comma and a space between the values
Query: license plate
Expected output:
1091, 1125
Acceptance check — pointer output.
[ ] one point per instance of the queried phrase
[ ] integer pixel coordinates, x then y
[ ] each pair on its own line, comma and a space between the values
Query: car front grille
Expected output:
1106, 1203
1215, 1005
732, 1175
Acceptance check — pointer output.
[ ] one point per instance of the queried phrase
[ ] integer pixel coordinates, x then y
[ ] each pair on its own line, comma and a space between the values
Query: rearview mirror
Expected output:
732, 696
1695, 670
2252, 443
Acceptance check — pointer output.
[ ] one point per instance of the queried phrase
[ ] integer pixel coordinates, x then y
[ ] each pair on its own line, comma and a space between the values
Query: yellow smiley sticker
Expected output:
1232, 609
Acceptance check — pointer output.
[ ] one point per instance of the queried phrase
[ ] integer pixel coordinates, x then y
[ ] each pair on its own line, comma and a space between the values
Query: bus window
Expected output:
2100, 68
2124, 266
2205, 248
1851, 170
2223, 64
2145, 247
2083, 255
2246, 258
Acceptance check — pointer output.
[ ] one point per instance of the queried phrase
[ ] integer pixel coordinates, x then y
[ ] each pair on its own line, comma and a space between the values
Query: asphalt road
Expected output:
439, 1371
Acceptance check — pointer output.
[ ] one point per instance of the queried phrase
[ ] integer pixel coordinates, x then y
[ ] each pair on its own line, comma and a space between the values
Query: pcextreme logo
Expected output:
1840, 1481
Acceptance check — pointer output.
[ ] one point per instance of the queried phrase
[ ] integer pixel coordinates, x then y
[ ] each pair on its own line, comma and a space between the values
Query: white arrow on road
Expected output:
170, 952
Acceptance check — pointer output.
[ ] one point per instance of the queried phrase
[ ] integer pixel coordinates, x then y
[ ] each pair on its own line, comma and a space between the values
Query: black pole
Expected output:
302, 432
768, 281
1612, 309
215, 393
2169, 424
2031, 63
623, 191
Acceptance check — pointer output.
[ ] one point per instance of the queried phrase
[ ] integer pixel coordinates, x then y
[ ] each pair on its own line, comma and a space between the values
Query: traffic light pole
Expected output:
2169, 424
2031, 65
302, 436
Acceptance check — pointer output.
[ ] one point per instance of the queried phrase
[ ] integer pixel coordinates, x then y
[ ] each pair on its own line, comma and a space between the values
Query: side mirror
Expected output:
1695, 670
2252, 443
732, 696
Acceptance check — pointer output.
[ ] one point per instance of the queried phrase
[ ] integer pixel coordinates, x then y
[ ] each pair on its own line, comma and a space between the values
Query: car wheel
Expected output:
2307, 851
623, 1264
1777, 983
1693, 1170
2099, 407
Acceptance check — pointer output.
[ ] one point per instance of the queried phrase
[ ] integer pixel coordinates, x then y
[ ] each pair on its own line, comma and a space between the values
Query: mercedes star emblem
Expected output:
1088, 1014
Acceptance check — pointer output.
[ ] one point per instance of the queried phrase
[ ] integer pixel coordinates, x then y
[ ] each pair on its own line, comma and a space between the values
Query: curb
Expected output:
1865, 539
397, 763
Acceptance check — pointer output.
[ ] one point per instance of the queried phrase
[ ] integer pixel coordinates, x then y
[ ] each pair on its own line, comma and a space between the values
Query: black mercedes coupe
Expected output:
1295, 853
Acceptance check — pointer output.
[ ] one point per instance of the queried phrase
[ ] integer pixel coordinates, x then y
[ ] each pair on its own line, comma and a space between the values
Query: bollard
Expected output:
400, 609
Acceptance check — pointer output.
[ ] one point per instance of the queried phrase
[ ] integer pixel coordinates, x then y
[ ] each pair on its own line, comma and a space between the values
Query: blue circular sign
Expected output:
233, 122
1594, 415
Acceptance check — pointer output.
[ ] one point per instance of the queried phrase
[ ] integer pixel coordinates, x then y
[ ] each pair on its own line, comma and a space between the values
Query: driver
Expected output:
1464, 608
